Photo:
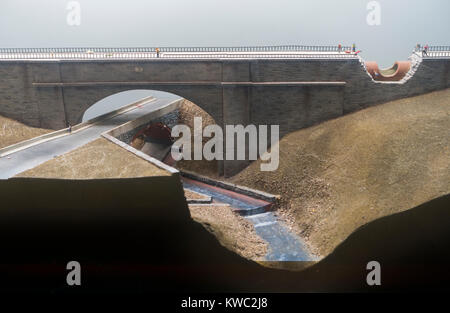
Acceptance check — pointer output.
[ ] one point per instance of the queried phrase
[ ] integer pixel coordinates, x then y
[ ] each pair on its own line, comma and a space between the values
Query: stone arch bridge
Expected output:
292, 86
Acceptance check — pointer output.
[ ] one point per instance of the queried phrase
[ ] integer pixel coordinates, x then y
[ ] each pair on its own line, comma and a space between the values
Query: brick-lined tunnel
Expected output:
395, 73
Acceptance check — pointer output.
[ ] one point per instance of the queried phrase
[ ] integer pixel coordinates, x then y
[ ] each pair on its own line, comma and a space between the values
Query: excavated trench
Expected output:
154, 139
283, 244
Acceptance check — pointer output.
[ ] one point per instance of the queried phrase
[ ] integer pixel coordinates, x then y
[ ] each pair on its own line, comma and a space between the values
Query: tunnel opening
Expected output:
154, 137
155, 140
118, 100
394, 73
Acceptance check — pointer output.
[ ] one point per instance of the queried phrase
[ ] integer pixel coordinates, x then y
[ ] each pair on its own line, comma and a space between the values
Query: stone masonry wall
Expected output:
292, 107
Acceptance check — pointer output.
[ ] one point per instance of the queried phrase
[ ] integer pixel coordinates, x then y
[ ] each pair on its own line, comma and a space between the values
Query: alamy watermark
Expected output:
73, 278
374, 276
374, 16
74, 14
216, 149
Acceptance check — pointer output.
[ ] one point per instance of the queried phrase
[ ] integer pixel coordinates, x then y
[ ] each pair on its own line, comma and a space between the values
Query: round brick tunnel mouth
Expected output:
394, 73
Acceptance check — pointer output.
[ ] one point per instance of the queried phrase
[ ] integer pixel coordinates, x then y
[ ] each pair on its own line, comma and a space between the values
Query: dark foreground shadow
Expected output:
131, 236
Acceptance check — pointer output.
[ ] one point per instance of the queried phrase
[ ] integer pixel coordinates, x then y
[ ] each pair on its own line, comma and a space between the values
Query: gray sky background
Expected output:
122, 23
127, 23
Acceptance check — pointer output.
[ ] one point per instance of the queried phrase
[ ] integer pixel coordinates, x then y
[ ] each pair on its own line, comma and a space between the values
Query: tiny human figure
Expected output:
425, 51
418, 47
339, 48
157, 52
353, 48
69, 129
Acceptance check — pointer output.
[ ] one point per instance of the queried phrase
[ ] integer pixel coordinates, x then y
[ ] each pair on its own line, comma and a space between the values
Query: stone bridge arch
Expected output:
77, 99
184, 114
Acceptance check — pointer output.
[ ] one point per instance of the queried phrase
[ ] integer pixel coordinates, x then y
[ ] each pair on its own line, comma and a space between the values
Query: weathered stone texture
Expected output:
292, 107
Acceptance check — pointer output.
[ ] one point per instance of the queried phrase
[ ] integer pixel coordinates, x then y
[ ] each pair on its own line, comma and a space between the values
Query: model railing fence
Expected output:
269, 52
176, 49
172, 52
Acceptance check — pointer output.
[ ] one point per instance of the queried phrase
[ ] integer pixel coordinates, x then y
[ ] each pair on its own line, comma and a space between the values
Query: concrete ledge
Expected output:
140, 154
211, 204
199, 201
233, 187
260, 210
185, 83
76, 128
205, 199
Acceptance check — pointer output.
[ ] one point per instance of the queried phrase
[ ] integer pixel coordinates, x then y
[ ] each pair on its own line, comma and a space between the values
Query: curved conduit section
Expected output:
155, 140
394, 73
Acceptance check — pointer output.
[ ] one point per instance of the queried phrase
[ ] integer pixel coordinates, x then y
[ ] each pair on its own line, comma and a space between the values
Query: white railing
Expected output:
100, 56
288, 51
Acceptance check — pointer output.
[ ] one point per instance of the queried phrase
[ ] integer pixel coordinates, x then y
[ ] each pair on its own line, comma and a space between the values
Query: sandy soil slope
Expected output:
339, 175
97, 159
12, 132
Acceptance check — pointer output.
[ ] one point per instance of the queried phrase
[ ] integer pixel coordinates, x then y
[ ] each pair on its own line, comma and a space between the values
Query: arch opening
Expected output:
154, 137
118, 100
96, 99
394, 73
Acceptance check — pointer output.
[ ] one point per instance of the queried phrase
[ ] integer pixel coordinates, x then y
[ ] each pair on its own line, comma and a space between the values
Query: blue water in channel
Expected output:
283, 244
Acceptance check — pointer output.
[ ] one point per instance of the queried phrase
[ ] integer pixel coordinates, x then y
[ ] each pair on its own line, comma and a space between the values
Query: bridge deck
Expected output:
246, 52
175, 55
